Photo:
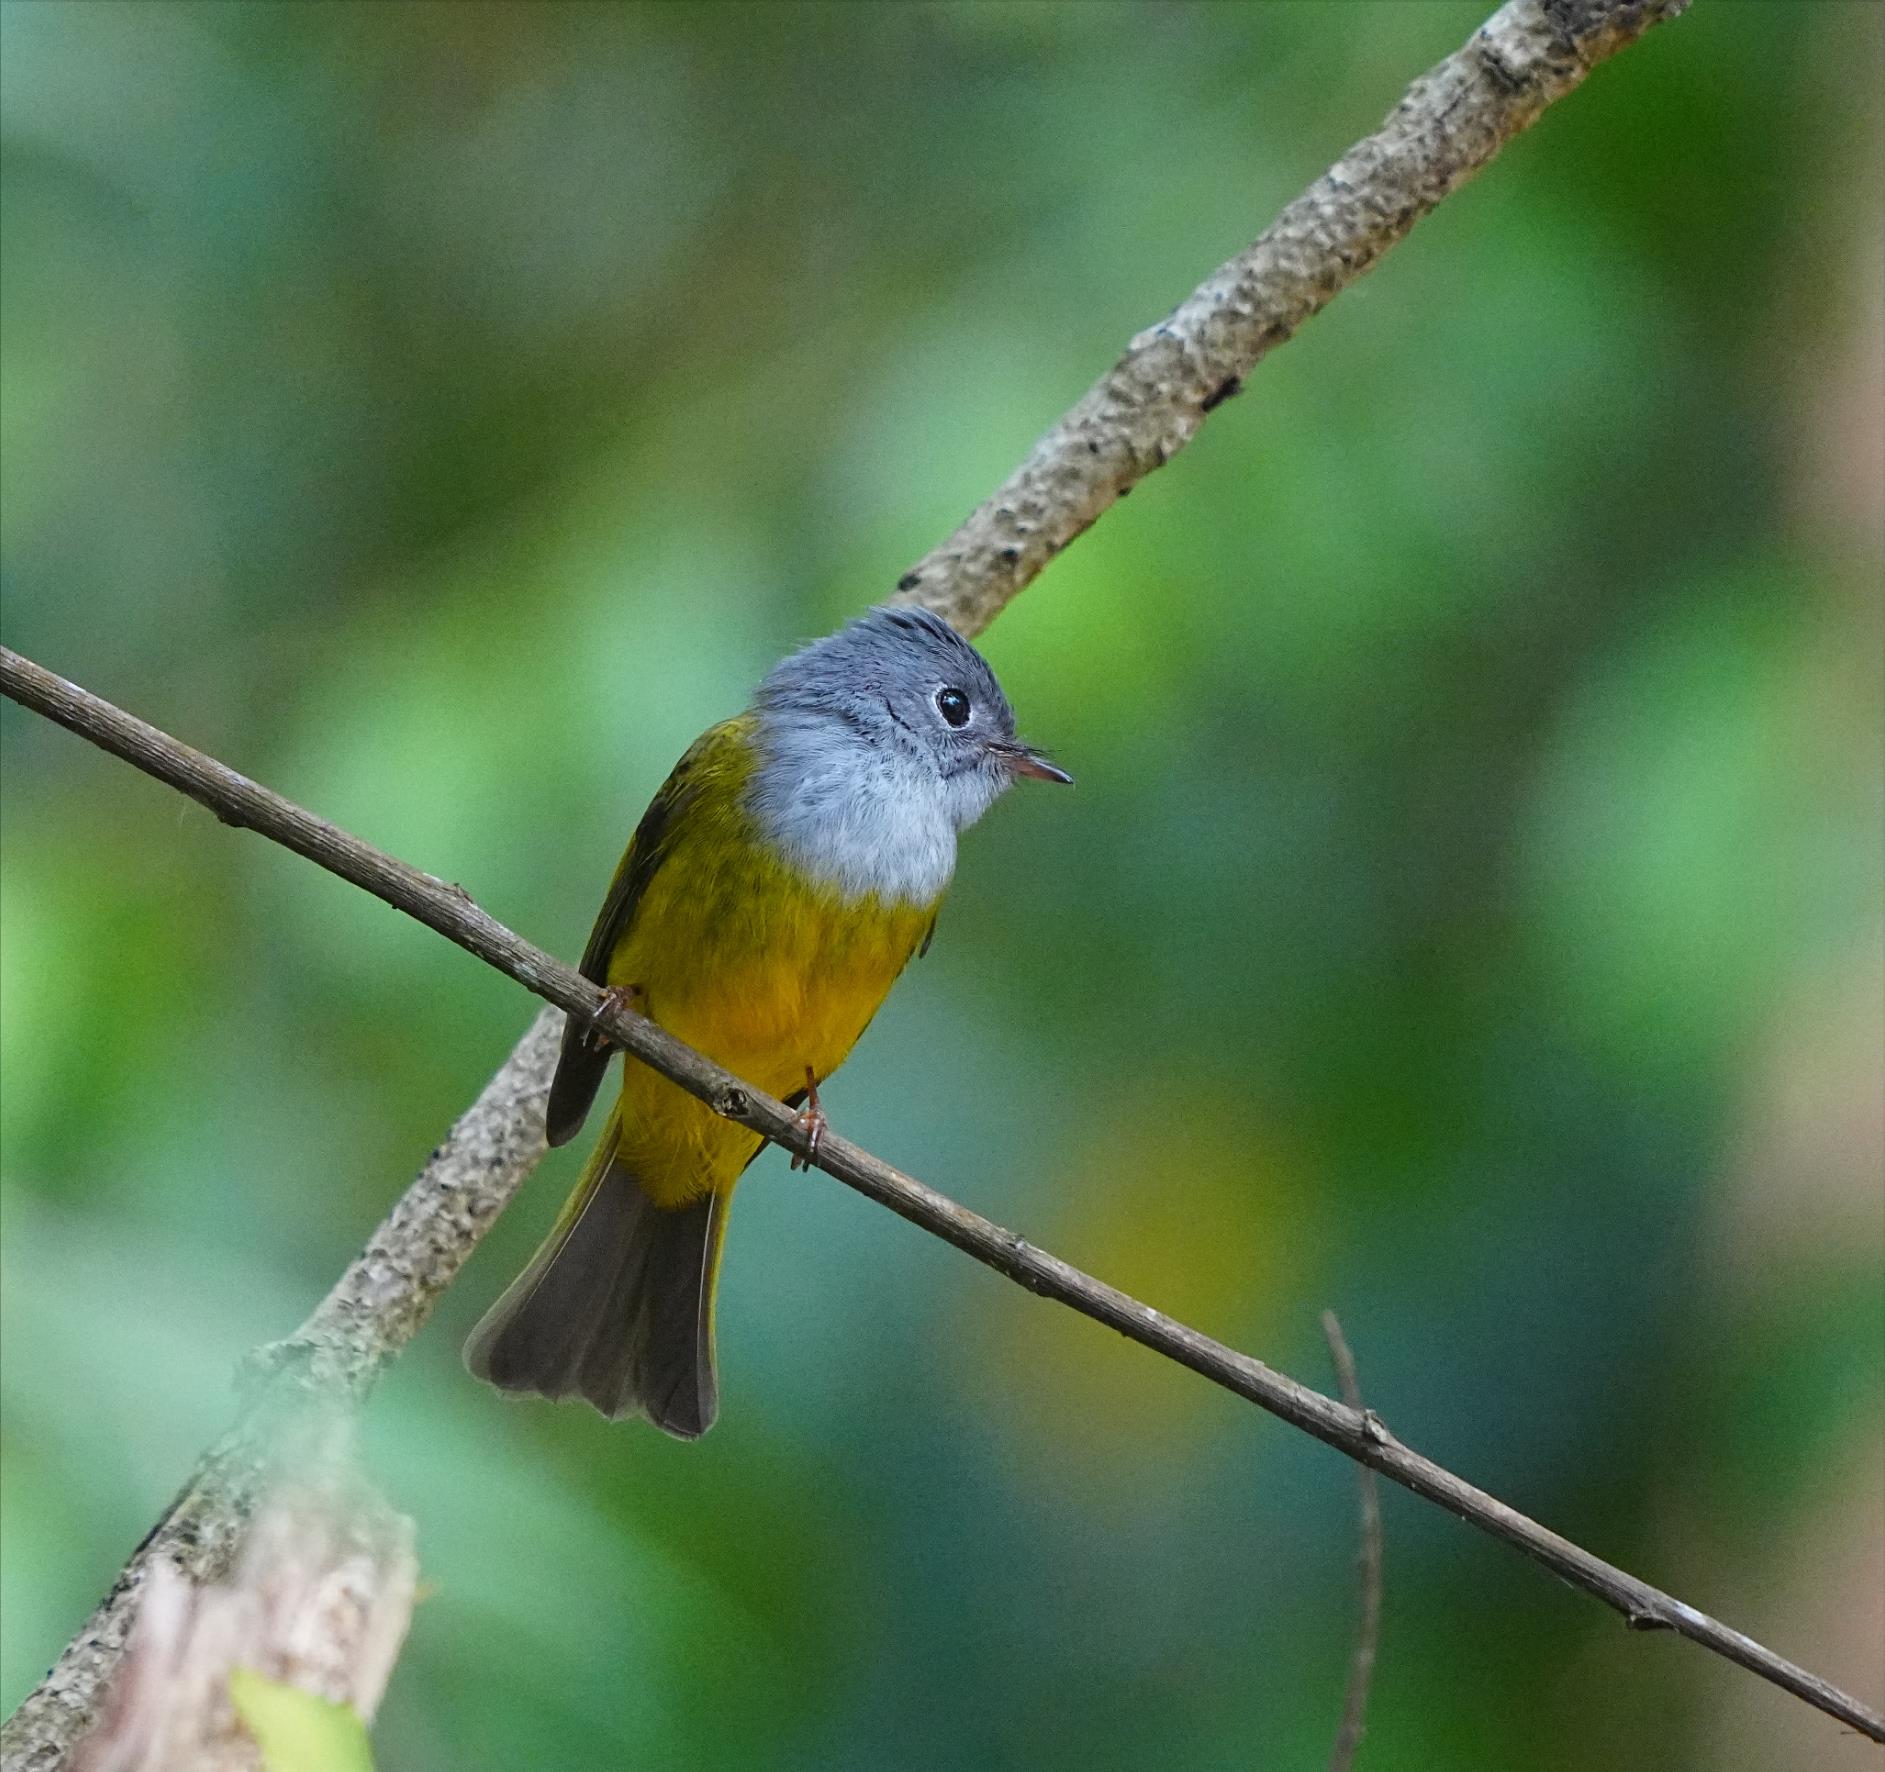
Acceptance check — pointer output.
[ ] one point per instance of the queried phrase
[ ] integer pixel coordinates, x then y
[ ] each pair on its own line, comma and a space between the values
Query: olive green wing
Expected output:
584, 1059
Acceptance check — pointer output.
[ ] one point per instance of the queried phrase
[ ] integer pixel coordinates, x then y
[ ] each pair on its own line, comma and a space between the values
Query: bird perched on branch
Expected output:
772, 893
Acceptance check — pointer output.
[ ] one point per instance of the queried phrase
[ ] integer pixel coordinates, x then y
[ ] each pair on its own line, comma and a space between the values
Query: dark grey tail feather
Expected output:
581, 1065
617, 1308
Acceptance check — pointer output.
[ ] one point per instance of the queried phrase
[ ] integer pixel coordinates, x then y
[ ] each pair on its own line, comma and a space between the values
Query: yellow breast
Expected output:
761, 969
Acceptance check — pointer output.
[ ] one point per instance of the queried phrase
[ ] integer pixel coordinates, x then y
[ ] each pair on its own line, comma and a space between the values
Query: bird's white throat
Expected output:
862, 819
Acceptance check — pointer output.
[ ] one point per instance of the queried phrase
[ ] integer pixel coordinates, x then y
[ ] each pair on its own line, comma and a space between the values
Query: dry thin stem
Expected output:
1150, 404
1358, 1433
1368, 1631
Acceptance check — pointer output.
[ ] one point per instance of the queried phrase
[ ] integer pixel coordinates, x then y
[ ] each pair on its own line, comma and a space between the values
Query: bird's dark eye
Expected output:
953, 705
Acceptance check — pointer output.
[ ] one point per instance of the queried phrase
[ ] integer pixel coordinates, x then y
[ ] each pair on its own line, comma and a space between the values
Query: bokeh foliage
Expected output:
1469, 914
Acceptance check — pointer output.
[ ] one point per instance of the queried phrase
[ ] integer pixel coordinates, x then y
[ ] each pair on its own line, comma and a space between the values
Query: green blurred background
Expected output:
1469, 916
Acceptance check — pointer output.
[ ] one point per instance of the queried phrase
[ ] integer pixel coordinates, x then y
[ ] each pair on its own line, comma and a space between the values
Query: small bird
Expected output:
775, 888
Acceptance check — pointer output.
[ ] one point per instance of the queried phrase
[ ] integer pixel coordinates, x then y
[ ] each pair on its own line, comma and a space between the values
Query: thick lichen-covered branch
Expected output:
308, 1616
1449, 125
293, 1440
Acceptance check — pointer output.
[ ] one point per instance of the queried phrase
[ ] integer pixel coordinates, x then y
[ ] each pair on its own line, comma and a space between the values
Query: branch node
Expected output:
1022, 1270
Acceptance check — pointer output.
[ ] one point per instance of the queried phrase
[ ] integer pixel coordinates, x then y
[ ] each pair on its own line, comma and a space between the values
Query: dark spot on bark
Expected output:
909, 581
1228, 388
1010, 555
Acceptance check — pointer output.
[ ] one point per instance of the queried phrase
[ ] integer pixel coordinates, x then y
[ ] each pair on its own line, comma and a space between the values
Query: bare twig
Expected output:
1358, 1433
1449, 125
1368, 1631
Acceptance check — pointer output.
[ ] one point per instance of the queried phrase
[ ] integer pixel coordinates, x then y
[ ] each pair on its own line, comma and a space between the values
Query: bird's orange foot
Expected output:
617, 996
812, 1123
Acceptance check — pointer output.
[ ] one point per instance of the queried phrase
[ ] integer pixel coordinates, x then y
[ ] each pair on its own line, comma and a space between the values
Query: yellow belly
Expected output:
763, 971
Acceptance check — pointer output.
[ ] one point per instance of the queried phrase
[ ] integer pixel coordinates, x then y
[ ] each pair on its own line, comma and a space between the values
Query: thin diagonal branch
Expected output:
1368, 1631
1358, 1433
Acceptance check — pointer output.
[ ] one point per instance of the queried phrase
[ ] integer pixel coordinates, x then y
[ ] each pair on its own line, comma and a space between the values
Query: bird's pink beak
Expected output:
1025, 760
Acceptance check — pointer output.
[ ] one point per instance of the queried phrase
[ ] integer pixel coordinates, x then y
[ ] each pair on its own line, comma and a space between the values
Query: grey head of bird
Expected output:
877, 745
